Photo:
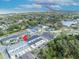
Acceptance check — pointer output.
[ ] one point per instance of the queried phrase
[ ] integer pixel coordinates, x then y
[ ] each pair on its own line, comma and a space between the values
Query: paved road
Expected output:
14, 35
28, 56
5, 55
2, 48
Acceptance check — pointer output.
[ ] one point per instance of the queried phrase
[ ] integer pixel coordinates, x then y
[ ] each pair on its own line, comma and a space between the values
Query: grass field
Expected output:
1, 57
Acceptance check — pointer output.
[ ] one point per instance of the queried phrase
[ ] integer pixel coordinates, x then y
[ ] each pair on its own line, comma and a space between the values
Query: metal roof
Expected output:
47, 35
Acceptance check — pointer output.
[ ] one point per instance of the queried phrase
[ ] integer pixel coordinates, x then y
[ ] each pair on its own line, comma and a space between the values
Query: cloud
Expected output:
11, 11
17, 8
27, 8
40, 4
22, 8
75, 4
56, 7
60, 2
57, 4
3, 11
30, 6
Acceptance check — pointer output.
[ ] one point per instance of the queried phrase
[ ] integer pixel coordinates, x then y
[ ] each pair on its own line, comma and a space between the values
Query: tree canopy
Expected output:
62, 47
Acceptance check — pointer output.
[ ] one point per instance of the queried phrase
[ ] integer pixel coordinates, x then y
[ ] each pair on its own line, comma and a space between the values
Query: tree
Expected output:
61, 47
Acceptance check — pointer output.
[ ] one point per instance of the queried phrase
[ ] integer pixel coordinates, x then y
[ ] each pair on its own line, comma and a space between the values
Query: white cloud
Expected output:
60, 2
75, 4
27, 8
17, 8
22, 8
11, 11
4, 11
37, 6
30, 6
56, 7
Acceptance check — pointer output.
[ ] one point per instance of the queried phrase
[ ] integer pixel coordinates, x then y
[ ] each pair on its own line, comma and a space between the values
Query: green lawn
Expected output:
1, 57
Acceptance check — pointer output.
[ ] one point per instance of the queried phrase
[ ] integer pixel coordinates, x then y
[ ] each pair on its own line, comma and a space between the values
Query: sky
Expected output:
12, 6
